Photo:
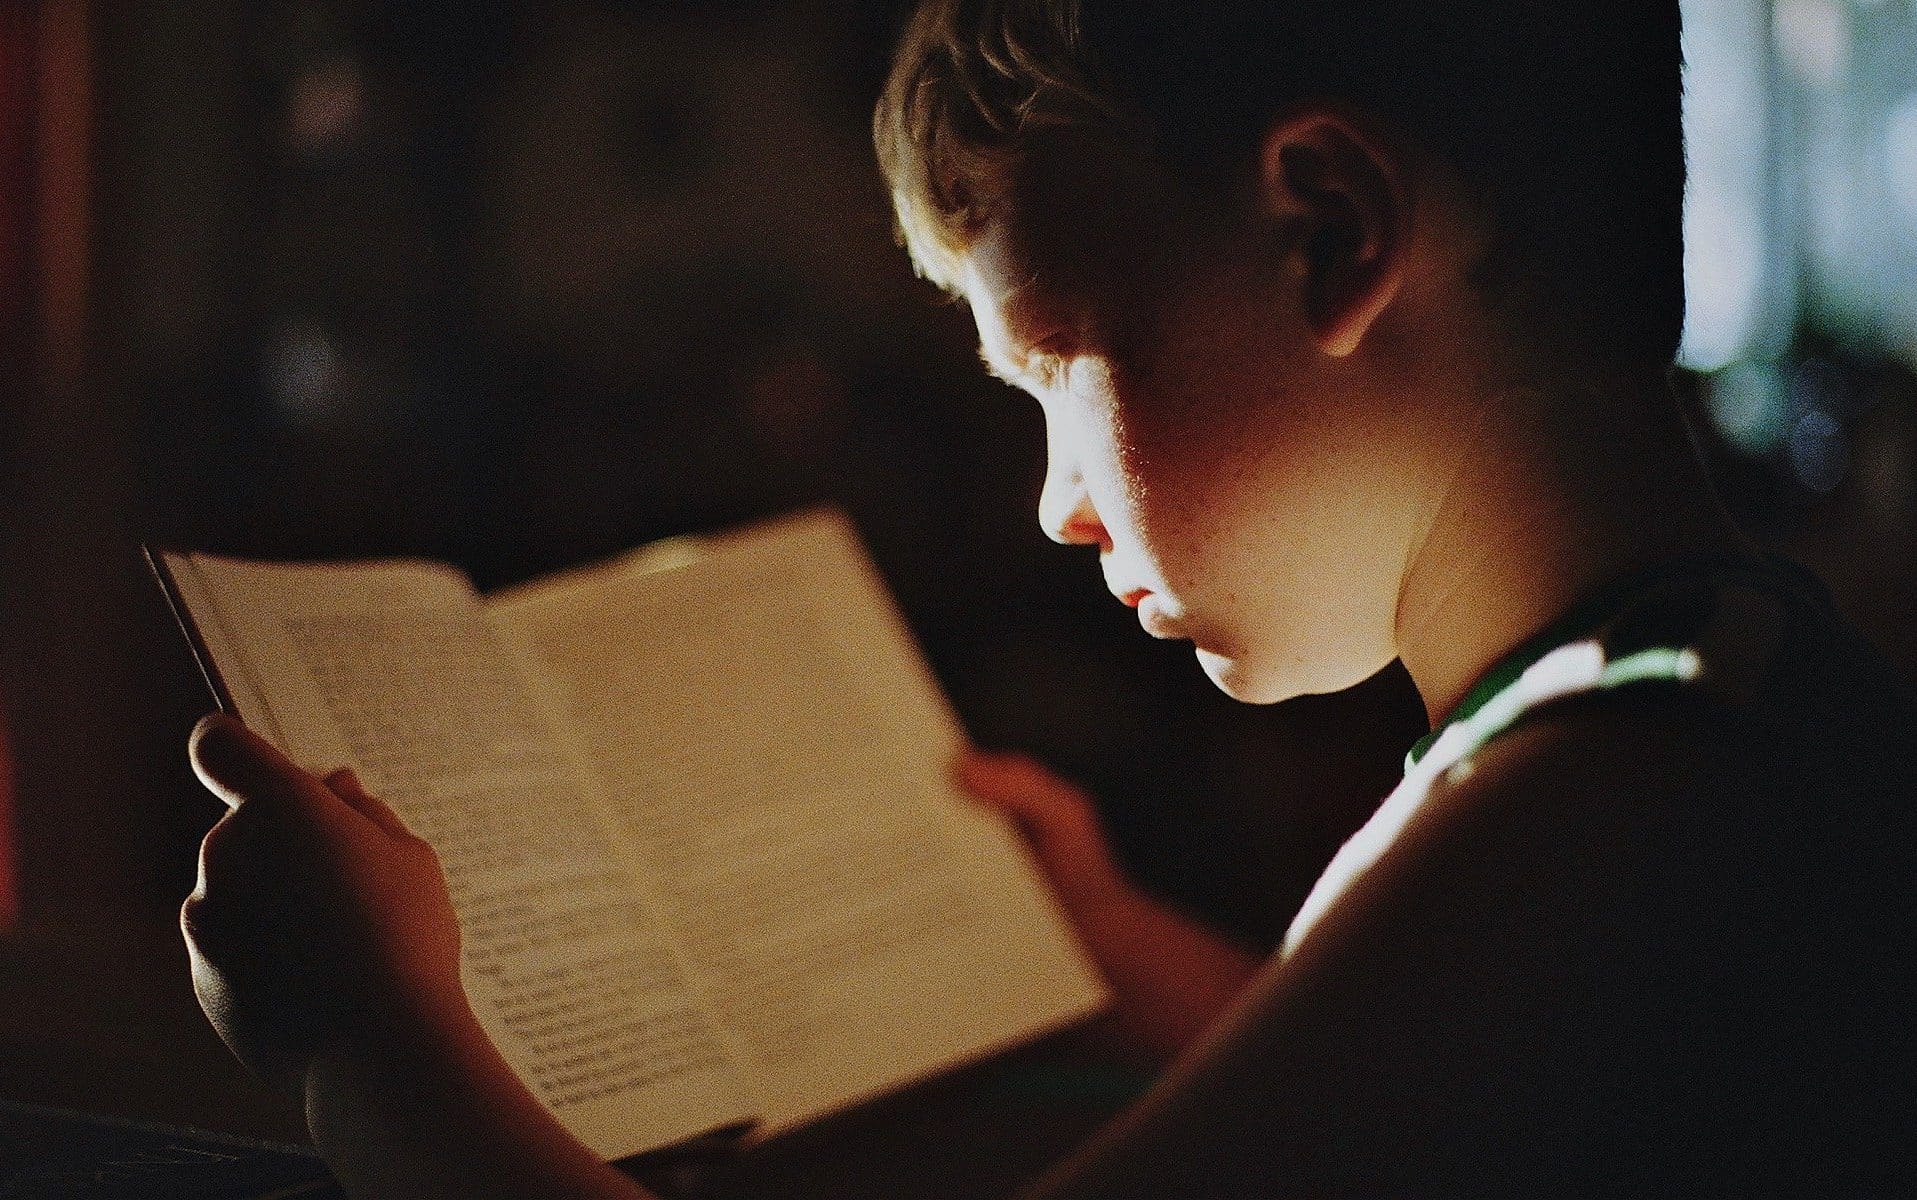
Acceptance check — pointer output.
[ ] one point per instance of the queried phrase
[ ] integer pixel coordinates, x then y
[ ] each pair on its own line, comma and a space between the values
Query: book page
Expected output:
775, 752
392, 669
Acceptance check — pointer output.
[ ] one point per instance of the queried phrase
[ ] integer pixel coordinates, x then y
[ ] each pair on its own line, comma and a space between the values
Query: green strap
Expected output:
1488, 688
1670, 664
1673, 663
1501, 710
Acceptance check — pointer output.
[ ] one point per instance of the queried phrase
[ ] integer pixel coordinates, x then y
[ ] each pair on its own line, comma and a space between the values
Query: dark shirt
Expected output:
1741, 992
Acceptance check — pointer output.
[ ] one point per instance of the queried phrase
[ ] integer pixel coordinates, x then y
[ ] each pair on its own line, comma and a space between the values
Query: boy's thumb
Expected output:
238, 765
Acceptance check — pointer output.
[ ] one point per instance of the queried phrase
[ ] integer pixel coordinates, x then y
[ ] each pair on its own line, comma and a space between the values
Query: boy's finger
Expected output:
346, 785
1015, 780
985, 771
239, 766
984, 781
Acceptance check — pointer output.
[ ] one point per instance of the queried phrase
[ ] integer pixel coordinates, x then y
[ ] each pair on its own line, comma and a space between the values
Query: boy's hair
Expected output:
1562, 117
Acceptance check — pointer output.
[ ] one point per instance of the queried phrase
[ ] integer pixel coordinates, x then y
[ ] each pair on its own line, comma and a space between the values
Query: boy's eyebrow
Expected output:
1015, 304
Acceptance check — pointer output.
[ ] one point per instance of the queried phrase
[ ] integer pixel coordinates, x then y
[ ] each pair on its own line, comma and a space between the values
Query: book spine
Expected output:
183, 616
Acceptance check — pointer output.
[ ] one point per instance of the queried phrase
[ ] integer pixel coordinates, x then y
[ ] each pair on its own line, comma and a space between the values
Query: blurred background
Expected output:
517, 285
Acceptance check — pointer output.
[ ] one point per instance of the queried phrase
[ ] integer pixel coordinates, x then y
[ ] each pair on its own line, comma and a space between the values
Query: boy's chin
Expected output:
1241, 679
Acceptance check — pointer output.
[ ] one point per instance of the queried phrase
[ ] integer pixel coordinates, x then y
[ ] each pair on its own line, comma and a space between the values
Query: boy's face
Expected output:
1247, 491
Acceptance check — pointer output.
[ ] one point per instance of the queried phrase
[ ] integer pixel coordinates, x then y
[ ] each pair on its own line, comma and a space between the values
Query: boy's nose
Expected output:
1065, 512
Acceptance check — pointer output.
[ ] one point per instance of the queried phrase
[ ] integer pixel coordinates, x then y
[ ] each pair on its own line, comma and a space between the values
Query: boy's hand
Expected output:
319, 922
1170, 976
1057, 819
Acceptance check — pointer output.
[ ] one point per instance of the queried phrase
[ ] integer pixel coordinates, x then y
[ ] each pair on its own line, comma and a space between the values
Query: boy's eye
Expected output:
1048, 369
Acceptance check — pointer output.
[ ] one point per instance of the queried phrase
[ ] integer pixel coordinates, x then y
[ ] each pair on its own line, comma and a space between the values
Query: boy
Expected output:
1350, 324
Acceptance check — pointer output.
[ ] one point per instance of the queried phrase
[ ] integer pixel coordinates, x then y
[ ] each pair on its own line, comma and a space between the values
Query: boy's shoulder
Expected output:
1679, 787
1601, 761
1661, 824
1727, 703
1617, 938
1601, 784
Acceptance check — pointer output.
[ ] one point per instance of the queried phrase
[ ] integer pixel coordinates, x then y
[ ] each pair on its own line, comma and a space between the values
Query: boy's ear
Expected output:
1345, 193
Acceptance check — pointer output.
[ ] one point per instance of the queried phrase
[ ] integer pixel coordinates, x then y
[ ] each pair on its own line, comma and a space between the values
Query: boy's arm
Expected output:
442, 1118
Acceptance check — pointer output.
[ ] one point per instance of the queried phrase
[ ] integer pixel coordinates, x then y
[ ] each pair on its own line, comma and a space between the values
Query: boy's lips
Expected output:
1153, 618
1151, 612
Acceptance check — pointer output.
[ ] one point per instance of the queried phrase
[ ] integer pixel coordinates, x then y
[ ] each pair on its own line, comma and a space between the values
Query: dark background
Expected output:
521, 285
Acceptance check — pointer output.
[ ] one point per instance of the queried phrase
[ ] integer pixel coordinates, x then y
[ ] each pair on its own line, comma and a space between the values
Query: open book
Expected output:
692, 807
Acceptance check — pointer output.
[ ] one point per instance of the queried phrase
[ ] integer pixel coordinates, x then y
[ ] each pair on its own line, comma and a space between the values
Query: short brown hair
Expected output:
1562, 118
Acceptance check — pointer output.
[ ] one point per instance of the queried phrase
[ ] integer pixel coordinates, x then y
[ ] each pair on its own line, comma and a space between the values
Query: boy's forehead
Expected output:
1058, 272
1082, 226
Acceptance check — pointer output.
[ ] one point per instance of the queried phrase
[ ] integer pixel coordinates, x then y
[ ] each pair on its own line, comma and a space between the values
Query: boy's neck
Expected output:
1549, 494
